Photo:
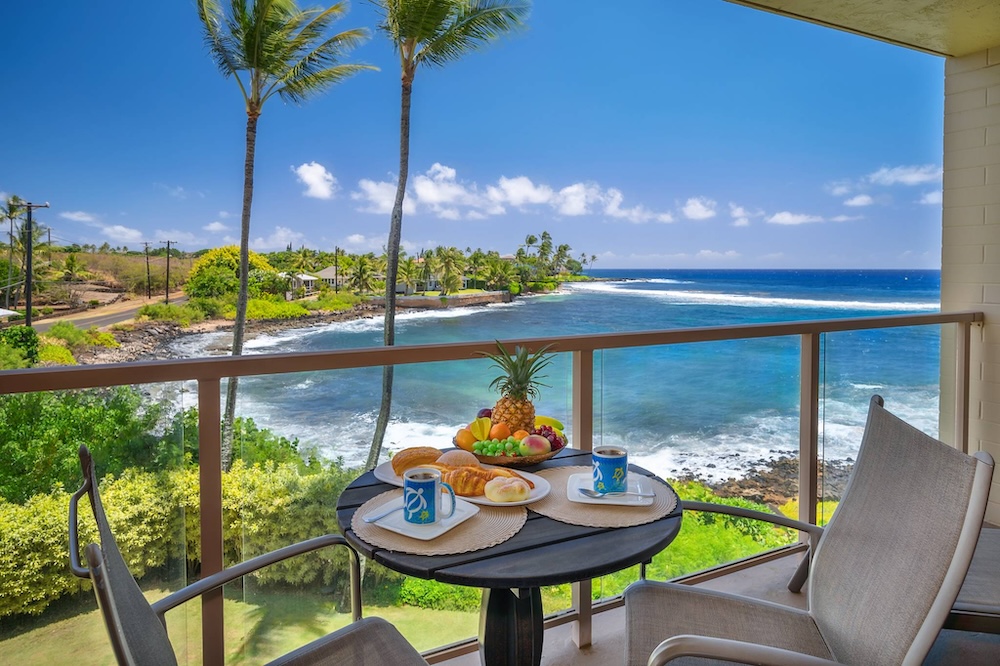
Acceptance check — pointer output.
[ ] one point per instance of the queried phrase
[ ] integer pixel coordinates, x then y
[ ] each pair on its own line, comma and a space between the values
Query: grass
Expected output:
262, 627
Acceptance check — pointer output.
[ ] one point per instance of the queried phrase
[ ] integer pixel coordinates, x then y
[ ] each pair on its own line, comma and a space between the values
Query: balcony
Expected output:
589, 363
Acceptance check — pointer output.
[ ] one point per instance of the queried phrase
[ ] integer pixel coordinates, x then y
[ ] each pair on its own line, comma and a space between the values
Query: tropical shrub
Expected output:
333, 302
182, 315
102, 338
438, 596
68, 332
216, 273
23, 338
11, 358
259, 308
55, 355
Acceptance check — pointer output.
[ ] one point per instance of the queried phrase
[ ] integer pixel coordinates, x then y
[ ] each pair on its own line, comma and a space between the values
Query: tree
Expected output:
279, 50
409, 273
362, 275
452, 263
435, 33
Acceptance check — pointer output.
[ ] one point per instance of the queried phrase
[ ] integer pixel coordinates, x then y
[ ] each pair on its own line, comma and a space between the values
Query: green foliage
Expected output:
824, 511
23, 338
68, 332
259, 308
216, 273
34, 553
211, 308
102, 338
55, 355
179, 314
439, 596
261, 283
334, 302
764, 533
43, 430
11, 358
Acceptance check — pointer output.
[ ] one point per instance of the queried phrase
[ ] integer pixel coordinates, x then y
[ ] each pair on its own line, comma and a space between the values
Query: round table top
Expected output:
543, 552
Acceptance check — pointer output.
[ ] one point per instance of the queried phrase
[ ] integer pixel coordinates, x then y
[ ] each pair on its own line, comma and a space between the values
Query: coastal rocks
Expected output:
144, 342
777, 481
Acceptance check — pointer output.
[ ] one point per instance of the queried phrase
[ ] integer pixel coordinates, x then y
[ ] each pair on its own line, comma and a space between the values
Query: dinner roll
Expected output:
506, 489
458, 458
413, 457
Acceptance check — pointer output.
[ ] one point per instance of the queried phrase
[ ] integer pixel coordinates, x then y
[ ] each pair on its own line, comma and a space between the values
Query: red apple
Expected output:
484, 413
534, 445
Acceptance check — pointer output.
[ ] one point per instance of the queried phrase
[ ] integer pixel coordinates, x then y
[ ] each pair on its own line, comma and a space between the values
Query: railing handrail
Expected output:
93, 376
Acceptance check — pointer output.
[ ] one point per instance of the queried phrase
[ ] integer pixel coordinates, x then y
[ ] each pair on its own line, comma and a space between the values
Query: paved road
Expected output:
99, 319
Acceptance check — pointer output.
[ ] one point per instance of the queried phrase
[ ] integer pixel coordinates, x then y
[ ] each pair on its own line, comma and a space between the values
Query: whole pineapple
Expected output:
518, 385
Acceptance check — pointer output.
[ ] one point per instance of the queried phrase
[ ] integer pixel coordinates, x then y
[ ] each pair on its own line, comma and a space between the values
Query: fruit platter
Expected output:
510, 434
494, 443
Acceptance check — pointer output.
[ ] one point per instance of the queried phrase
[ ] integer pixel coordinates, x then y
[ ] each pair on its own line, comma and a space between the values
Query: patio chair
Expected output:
978, 605
138, 630
883, 577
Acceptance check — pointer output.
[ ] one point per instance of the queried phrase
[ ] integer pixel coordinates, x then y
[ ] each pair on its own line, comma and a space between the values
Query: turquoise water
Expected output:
707, 408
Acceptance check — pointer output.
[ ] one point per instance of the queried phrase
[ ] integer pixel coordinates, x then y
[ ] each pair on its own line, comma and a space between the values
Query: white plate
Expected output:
637, 483
385, 474
395, 522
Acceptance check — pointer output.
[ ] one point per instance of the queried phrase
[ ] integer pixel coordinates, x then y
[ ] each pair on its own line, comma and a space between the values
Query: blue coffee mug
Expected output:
610, 470
422, 496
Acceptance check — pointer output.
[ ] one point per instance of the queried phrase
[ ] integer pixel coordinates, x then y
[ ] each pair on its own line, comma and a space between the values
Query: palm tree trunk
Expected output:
239, 327
392, 270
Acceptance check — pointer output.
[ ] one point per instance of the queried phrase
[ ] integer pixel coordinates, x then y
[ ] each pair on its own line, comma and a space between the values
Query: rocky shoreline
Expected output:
777, 481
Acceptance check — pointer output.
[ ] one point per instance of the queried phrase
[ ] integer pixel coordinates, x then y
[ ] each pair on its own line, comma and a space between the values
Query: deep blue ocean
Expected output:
708, 408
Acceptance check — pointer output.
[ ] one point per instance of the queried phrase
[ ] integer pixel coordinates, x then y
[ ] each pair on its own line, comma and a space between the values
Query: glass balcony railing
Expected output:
796, 391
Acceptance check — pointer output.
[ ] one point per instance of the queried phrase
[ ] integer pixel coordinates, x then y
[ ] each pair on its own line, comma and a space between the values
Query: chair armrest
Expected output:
730, 650
777, 519
243, 568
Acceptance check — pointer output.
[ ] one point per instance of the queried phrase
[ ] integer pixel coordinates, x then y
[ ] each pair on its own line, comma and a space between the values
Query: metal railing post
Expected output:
583, 438
963, 334
809, 427
210, 476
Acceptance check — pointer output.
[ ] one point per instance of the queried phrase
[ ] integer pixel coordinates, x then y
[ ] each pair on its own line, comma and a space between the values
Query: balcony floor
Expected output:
764, 581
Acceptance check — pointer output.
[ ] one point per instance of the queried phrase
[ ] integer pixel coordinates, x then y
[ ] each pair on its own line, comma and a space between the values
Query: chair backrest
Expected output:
891, 561
136, 633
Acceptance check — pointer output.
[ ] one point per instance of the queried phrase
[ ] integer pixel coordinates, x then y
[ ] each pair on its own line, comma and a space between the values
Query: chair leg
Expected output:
801, 573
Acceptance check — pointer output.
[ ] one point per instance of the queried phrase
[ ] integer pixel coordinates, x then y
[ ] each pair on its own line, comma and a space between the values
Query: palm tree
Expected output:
435, 33
11, 210
362, 275
452, 263
409, 273
303, 260
280, 50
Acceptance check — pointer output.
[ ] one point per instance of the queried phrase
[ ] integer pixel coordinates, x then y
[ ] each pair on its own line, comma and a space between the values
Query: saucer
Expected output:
637, 483
395, 522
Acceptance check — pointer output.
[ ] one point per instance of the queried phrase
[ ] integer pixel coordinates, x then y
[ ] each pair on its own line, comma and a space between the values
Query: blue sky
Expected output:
651, 133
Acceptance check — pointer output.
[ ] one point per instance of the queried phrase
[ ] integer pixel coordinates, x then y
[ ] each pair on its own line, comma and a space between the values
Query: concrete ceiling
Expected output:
942, 27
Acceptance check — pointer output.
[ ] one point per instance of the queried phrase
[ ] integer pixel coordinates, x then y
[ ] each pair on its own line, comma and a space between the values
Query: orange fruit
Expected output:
500, 431
521, 434
465, 439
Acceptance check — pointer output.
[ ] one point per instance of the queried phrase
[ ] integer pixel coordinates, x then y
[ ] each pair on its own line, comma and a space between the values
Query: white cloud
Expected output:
215, 227
638, 214
320, 183
78, 216
860, 200
838, 188
178, 237
223, 214
177, 192
355, 239
439, 191
699, 208
119, 233
932, 198
380, 197
788, 218
519, 191
278, 240
906, 175
846, 218
741, 215
712, 254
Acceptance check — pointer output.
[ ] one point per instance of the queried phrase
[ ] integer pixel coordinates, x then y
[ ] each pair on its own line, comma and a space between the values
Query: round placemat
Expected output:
555, 505
492, 525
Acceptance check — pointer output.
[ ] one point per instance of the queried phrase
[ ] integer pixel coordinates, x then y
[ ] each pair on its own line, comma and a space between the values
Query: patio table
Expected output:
543, 552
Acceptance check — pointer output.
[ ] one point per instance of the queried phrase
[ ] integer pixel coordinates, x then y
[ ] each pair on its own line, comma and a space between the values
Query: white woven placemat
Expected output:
492, 525
555, 505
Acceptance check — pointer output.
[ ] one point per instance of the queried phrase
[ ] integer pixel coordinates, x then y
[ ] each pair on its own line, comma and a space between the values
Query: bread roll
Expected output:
458, 458
507, 489
413, 457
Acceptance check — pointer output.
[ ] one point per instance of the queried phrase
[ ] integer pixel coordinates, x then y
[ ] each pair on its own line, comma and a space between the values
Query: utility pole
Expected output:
336, 270
27, 277
10, 261
167, 297
145, 250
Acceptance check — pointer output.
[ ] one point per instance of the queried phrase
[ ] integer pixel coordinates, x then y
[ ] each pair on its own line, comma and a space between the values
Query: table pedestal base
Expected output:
510, 627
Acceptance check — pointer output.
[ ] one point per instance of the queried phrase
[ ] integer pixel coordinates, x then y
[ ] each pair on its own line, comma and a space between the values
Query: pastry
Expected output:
466, 481
507, 489
413, 457
458, 458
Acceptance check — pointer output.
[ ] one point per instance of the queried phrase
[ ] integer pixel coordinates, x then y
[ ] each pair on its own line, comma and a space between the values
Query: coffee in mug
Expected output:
610, 469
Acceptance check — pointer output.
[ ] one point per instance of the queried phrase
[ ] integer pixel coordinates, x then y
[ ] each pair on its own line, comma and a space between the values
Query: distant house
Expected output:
334, 276
306, 282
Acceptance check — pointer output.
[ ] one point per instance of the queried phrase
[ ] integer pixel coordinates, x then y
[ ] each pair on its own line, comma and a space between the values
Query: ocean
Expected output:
707, 409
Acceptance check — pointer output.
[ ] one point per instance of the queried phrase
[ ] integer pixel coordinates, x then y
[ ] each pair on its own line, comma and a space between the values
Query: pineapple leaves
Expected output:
520, 378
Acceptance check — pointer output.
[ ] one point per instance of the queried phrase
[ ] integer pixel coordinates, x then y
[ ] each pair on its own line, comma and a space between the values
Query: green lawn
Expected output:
266, 626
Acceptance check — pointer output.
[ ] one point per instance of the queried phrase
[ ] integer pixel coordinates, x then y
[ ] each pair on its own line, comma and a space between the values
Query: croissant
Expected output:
471, 481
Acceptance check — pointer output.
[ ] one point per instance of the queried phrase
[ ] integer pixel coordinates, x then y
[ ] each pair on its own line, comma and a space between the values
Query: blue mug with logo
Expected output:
610, 470
422, 496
